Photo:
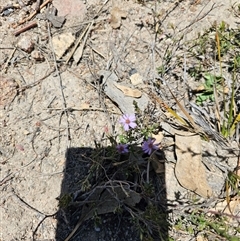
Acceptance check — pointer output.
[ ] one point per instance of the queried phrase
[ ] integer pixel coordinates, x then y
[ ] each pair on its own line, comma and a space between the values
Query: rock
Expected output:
62, 42
26, 44
189, 169
125, 103
37, 55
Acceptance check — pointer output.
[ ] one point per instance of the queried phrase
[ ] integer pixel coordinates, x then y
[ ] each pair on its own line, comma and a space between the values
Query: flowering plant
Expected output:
124, 169
128, 121
132, 137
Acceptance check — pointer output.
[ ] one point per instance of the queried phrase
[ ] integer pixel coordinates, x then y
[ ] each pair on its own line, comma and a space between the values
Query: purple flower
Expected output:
128, 121
148, 146
122, 148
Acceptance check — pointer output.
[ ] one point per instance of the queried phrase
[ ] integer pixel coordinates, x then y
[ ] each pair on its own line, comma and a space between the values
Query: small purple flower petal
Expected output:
149, 146
128, 121
122, 148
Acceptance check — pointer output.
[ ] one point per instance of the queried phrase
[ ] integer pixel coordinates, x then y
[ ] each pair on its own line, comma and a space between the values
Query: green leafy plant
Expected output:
198, 222
218, 46
122, 168
65, 200
207, 93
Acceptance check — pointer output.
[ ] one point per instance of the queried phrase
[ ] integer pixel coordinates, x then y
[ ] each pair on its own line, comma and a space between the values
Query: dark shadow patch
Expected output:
106, 196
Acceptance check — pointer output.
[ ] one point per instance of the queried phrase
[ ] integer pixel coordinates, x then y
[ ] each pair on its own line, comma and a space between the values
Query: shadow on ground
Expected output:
104, 197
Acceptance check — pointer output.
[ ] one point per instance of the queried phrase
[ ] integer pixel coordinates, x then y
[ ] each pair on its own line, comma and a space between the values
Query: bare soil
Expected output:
53, 114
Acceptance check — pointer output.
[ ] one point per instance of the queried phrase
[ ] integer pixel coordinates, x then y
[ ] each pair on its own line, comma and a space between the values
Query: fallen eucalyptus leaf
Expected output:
129, 91
125, 103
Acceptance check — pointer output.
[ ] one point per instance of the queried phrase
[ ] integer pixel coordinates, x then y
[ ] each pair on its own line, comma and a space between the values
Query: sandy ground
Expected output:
41, 122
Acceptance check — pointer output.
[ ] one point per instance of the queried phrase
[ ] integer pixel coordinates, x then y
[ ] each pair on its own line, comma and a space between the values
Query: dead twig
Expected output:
96, 51
34, 209
22, 88
61, 89
25, 28
86, 32
71, 109
100, 9
26, 204
45, 217
6, 179
8, 60
79, 223
31, 15
198, 17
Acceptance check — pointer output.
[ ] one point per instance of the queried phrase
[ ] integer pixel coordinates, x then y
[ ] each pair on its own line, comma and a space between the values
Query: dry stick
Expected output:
82, 219
78, 42
24, 87
6, 47
99, 10
6, 179
78, 76
92, 108
83, 43
34, 209
26, 204
190, 119
198, 17
61, 87
96, 51
8, 60
71, 109
217, 107
32, 15
45, 217
25, 28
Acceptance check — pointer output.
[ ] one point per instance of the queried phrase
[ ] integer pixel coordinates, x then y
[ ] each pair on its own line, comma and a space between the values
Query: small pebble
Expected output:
37, 55
26, 44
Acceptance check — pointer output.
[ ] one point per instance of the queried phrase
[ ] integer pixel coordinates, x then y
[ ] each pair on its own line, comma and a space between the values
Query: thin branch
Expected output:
25, 28
61, 87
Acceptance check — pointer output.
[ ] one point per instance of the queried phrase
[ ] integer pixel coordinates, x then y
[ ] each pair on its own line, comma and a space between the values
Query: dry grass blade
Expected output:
85, 33
33, 14
223, 127
189, 118
234, 124
232, 184
206, 127
167, 108
4, 70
